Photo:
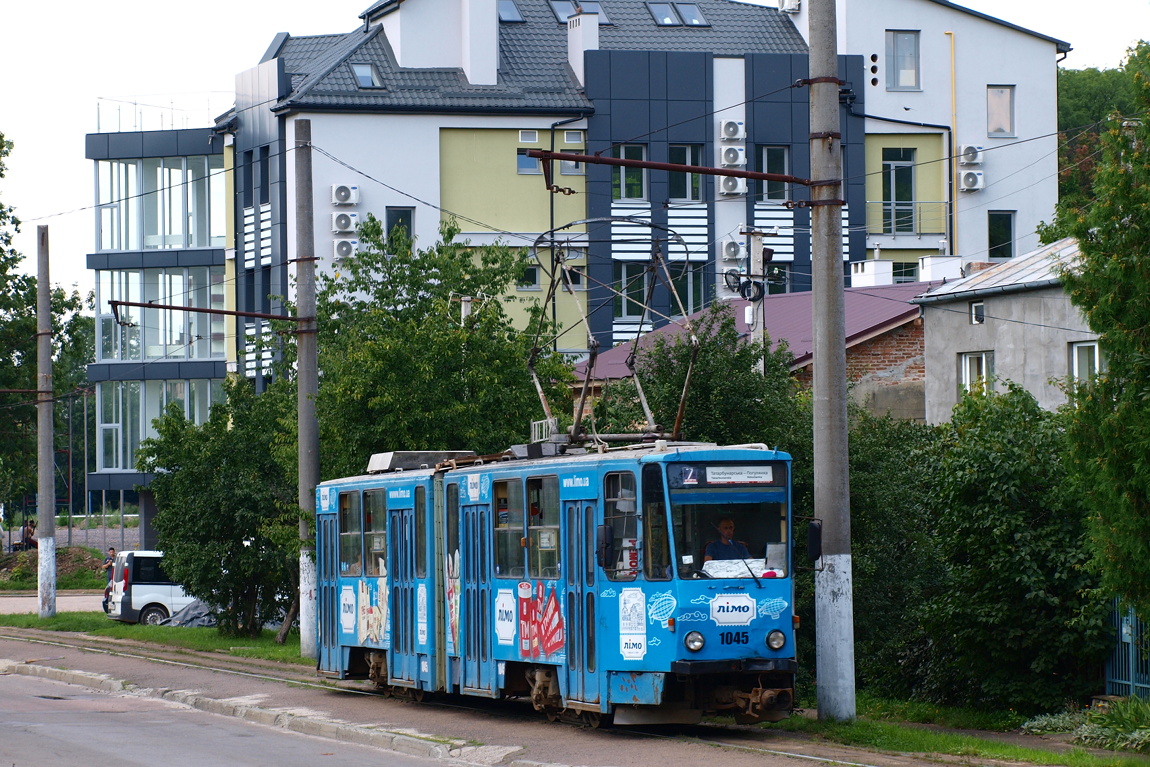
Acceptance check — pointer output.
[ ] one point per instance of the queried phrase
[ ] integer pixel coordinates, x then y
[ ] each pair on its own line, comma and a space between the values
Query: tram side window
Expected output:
543, 527
420, 532
375, 528
656, 543
350, 535
453, 531
508, 528
621, 513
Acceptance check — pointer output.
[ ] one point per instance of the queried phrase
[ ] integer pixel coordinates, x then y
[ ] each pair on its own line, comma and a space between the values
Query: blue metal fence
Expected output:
1128, 669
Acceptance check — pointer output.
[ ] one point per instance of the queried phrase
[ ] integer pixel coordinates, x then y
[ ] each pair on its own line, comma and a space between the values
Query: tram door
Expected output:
402, 542
582, 602
327, 623
475, 618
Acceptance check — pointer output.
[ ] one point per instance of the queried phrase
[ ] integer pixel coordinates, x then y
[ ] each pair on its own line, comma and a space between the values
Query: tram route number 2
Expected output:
734, 637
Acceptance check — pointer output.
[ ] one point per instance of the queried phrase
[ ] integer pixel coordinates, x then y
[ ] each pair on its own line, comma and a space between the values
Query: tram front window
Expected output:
729, 522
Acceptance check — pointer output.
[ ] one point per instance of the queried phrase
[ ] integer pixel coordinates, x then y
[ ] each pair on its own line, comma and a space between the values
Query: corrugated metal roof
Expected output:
533, 72
788, 318
1037, 269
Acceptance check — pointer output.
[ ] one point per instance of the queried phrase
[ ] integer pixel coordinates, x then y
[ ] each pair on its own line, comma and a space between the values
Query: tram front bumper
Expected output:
754, 665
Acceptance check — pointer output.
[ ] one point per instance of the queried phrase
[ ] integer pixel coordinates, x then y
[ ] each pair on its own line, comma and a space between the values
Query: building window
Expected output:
565, 9
629, 183
630, 289
902, 72
778, 278
976, 374
530, 279
691, 15
570, 168
1000, 233
905, 271
664, 14
897, 191
572, 137
125, 410
161, 202
1086, 361
776, 159
528, 137
688, 281
366, 76
977, 312
685, 186
527, 166
1000, 110
399, 218
509, 12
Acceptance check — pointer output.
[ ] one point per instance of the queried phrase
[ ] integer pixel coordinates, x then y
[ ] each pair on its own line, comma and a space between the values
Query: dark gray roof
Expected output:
533, 73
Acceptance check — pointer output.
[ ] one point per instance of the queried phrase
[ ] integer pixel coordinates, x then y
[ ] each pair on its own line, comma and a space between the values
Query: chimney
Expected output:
582, 36
874, 271
479, 46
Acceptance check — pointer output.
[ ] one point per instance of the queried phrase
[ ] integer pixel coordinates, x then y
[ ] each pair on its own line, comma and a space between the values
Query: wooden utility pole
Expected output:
834, 610
45, 455
307, 383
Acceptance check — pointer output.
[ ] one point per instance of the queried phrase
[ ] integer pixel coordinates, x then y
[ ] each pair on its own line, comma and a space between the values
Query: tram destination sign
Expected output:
740, 475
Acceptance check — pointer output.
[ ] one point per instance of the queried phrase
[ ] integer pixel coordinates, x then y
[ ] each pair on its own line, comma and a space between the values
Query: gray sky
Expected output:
75, 66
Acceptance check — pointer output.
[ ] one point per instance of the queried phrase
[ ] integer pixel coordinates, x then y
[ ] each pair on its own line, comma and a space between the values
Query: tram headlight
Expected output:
776, 639
694, 641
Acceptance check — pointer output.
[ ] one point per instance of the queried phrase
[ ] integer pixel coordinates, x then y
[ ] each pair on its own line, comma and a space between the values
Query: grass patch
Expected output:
916, 739
200, 639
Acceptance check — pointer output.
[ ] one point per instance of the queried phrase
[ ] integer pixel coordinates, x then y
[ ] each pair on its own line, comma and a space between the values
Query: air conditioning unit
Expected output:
344, 194
344, 222
732, 185
342, 249
733, 155
789, 6
971, 181
969, 154
732, 250
732, 130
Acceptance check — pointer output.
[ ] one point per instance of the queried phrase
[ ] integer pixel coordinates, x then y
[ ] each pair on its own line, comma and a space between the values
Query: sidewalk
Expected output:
15, 603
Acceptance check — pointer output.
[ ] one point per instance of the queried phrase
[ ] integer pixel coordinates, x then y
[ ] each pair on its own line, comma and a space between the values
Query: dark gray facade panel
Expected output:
596, 74
140, 144
151, 258
156, 371
630, 74
773, 121
656, 63
688, 76
689, 122
160, 144
118, 480
124, 145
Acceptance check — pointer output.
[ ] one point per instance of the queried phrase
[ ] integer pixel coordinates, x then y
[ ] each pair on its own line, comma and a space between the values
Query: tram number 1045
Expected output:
734, 637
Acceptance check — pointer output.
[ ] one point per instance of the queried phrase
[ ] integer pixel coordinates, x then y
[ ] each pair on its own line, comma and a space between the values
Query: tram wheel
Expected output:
590, 719
552, 713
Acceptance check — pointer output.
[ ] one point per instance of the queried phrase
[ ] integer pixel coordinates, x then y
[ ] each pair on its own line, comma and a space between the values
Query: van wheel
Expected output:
152, 615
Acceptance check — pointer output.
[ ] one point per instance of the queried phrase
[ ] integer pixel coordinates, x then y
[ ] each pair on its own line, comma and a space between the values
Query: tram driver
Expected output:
726, 547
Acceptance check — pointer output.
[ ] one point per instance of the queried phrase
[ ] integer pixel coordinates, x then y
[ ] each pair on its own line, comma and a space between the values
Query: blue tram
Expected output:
579, 581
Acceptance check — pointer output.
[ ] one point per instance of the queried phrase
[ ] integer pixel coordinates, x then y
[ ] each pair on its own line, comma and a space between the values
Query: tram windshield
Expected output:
729, 521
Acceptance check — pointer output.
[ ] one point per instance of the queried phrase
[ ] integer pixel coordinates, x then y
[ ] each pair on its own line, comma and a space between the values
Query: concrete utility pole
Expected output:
45, 455
834, 610
307, 382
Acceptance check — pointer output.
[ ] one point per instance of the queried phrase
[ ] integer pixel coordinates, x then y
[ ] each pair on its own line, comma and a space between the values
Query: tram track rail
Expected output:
739, 738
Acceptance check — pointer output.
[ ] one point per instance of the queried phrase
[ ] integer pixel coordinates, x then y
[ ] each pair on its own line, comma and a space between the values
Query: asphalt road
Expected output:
44, 723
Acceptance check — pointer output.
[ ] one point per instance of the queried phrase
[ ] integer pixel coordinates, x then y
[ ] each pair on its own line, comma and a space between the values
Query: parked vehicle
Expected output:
141, 592
582, 581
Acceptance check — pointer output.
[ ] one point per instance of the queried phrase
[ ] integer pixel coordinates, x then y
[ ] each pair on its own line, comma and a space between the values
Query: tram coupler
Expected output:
763, 704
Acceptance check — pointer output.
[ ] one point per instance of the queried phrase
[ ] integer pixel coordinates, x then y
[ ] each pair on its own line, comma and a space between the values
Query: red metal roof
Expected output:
870, 311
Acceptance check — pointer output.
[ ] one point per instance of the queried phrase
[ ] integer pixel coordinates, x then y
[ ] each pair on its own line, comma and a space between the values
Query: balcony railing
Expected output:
914, 217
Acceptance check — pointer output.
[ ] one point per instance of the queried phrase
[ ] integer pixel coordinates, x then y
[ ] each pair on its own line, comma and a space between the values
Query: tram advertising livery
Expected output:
648, 584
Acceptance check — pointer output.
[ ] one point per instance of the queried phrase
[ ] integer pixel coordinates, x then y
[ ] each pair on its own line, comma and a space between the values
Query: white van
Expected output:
141, 592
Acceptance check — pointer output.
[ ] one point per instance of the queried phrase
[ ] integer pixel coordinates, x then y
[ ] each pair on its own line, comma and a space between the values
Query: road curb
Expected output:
362, 735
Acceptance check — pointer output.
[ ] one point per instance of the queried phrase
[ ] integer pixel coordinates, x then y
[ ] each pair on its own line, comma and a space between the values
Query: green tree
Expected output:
227, 514
72, 350
1017, 620
403, 370
1109, 427
1086, 98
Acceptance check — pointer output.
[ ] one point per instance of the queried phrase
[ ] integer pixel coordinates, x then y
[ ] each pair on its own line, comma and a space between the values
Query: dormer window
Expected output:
366, 76
509, 12
664, 14
677, 14
565, 9
691, 15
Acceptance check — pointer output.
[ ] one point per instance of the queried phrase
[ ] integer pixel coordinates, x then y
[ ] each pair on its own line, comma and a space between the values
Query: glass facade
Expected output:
160, 203
153, 334
126, 409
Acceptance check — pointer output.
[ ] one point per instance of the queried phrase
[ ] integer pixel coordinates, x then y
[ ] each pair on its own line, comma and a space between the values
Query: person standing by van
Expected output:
109, 562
